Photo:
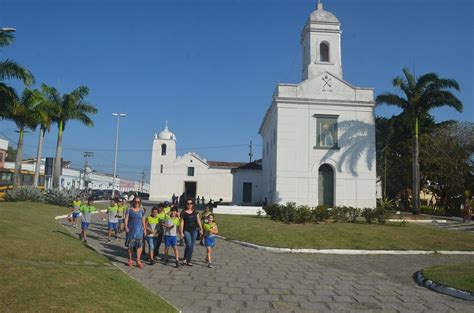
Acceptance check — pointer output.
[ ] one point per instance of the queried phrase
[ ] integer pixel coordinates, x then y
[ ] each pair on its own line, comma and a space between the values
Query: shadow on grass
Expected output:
65, 233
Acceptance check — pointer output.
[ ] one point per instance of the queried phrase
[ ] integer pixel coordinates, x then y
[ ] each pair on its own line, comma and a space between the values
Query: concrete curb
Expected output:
418, 221
450, 291
344, 251
65, 216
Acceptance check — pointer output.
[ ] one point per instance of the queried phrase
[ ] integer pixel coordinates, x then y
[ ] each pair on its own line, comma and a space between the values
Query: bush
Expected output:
60, 197
24, 193
368, 214
381, 214
303, 214
339, 214
320, 213
353, 214
432, 211
272, 210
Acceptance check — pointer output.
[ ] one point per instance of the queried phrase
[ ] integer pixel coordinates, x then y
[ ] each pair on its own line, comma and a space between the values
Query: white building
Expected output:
318, 136
194, 176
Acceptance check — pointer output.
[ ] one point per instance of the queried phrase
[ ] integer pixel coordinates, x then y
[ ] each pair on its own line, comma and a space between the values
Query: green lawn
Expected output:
459, 276
264, 231
44, 268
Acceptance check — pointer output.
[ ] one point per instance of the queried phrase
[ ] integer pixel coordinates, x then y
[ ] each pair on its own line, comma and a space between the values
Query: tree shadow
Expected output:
357, 138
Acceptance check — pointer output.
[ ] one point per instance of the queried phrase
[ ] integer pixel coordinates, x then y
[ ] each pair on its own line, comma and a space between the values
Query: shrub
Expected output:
368, 214
60, 197
432, 211
24, 193
288, 212
272, 210
303, 214
381, 214
339, 214
353, 214
320, 213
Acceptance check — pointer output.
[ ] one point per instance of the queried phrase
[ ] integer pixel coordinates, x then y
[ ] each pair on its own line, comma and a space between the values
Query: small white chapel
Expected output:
318, 136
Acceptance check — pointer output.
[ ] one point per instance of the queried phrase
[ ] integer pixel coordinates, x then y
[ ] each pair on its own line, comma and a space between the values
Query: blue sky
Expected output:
210, 67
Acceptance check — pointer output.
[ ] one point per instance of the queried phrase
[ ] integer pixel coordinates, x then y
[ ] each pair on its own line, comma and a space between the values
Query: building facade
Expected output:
318, 136
193, 176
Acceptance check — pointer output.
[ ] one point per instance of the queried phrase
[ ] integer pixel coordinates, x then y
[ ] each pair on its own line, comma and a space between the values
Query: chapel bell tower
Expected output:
321, 44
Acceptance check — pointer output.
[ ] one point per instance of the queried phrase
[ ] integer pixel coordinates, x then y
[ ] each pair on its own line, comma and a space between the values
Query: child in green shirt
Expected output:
86, 211
210, 230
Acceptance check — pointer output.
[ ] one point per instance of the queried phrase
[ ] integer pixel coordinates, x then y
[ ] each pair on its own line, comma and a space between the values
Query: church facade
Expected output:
193, 176
318, 136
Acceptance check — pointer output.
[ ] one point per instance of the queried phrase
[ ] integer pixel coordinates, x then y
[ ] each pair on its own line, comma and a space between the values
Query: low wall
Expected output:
238, 210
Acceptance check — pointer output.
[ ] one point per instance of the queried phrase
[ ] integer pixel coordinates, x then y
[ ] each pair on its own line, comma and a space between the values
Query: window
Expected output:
324, 52
190, 171
161, 169
163, 149
326, 131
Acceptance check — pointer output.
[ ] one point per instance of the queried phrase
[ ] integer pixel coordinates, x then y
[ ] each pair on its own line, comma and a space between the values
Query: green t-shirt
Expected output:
112, 213
207, 228
171, 231
86, 211
120, 210
76, 205
152, 226
166, 210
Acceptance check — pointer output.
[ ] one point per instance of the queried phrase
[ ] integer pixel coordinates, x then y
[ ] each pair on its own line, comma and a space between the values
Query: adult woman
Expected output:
135, 227
189, 228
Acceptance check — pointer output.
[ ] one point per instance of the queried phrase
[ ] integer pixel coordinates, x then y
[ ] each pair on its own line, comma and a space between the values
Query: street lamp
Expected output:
7, 29
118, 115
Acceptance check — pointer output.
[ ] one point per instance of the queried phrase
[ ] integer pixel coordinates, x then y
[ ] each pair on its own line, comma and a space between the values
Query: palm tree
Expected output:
421, 94
21, 113
68, 107
10, 70
44, 113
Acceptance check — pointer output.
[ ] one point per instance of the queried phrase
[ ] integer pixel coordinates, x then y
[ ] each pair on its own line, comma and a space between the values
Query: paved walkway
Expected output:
249, 280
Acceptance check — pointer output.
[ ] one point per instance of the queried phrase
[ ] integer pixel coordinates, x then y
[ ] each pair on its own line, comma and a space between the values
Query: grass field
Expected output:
459, 276
264, 231
44, 268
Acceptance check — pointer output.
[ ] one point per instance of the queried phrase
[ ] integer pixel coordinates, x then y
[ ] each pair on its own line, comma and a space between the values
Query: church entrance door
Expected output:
326, 186
190, 189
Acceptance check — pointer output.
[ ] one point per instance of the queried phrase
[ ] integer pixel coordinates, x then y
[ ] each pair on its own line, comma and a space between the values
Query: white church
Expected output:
318, 139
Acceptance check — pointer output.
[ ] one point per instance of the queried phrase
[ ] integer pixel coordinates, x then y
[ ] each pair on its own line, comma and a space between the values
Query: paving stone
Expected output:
344, 299
285, 282
268, 298
283, 305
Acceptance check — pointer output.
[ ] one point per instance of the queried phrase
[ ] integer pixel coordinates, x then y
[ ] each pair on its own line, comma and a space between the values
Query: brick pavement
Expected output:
249, 280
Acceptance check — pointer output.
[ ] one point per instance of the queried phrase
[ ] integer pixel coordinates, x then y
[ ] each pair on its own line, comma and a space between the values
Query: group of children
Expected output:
163, 224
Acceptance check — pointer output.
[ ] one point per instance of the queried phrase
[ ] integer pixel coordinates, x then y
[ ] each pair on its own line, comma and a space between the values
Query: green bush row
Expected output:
52, 196
432, 211
291, 213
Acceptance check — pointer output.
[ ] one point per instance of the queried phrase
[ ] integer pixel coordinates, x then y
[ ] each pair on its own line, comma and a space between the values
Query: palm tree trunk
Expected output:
416, 171
57, 160
19, 158
38, 156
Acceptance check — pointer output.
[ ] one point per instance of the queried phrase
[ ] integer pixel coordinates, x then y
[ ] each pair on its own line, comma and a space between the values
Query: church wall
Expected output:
298, 161
269, 155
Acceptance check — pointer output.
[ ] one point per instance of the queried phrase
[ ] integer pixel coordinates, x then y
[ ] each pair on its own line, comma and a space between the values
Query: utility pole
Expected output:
87, 155
118, 116
142, 181
250, 151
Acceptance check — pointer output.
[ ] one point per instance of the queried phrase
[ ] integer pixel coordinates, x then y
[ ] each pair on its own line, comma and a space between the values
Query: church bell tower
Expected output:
321, 44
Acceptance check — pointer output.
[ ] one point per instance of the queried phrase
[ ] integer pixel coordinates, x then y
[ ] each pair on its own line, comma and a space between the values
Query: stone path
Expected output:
249, 280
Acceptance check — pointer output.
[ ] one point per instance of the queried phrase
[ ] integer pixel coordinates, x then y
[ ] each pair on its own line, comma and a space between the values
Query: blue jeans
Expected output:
190, 239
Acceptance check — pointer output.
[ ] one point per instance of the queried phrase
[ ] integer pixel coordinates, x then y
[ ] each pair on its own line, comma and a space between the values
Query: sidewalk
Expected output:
250, 280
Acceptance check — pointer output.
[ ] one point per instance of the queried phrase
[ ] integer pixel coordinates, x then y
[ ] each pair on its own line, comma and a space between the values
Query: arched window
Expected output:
324, 52
163, 149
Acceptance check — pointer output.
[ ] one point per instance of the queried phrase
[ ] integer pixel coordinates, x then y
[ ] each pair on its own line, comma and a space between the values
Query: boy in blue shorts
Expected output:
86, 210
170, 226
112, 220
210, 232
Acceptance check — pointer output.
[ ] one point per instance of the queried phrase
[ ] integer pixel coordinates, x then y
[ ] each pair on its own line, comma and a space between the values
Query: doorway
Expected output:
326, 186
247, 193
190, 189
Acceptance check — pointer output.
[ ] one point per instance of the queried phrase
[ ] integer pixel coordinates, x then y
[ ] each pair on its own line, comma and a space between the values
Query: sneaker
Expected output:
152, 262
109, 240
80, 236
189, 264
210, 265
177, 264
85, 241
166, 260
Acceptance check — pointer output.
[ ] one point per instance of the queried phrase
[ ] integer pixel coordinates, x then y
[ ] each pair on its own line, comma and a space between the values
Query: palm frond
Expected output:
392, 99
411, 80
6, 38
12, 70
439, 98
